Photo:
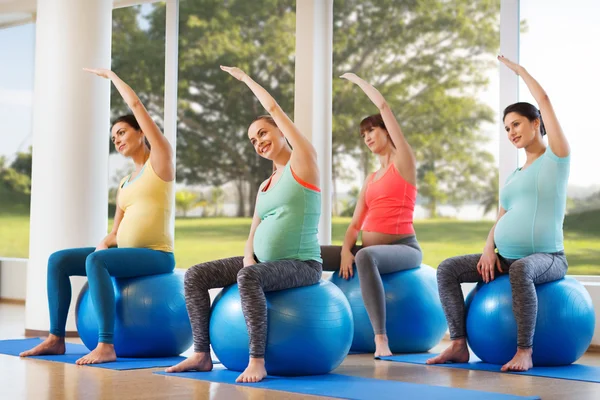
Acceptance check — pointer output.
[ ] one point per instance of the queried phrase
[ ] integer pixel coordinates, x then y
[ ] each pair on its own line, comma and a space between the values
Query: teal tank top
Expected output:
289, 220
535, 200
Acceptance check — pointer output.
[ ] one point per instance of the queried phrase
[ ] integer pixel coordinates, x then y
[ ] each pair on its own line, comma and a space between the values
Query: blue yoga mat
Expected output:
348, 387
574, 372
76, 351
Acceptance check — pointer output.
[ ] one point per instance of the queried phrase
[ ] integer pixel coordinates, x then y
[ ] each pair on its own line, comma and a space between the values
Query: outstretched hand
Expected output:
104, 73
516, 68
352, 77
235, 72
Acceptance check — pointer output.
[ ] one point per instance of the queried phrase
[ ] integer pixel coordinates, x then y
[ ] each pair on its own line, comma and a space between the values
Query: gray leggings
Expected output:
372, 262
524, 274
253, 281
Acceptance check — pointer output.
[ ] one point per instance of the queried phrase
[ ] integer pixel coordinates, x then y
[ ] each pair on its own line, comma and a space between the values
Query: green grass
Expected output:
202, 239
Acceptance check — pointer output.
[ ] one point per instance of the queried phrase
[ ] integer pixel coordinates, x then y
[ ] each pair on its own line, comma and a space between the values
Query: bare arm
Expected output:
360, 211
489, 260
358, 217
556, 138
405, 159
110, 240
489, 243
161, 155
249, 248
304, 156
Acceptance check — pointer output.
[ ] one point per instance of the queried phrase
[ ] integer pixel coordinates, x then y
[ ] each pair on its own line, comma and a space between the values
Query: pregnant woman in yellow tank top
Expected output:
140, 242
282, 250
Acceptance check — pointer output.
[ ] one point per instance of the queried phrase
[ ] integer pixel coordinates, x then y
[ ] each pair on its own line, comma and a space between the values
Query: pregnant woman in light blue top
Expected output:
528, 234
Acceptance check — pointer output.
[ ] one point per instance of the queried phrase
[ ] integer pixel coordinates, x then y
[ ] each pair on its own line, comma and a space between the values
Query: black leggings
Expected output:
524, 274
253, 281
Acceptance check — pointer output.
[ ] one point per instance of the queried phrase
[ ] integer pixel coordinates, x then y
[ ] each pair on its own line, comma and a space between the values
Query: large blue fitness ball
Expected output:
309, 330
564, 327
151, 318
415, 319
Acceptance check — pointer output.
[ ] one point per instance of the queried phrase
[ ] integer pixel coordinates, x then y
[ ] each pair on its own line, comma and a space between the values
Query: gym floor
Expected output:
37, 379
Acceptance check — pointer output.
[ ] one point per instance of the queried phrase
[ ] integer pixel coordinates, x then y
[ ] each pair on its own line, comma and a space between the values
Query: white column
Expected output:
70, 141
313, 86
171, 67
509, 82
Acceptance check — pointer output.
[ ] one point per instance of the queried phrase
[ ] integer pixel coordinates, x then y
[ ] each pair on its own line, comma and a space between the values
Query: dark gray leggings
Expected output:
372, 262
524, 274
253, 281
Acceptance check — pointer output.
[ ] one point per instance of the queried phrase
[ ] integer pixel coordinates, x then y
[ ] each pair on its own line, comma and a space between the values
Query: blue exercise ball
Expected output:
151, 319
415, 321
309, 330
564, 327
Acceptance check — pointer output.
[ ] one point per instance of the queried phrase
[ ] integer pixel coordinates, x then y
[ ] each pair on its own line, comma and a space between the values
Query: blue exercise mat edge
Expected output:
347, 386
75, 351
576, 372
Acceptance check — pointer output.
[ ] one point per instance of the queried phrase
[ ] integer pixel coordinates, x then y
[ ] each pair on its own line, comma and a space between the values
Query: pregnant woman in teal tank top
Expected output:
282, 250
526, 241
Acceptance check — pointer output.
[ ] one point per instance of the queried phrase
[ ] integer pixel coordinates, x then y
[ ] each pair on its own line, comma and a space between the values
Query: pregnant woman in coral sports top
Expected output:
384, 213
528, 234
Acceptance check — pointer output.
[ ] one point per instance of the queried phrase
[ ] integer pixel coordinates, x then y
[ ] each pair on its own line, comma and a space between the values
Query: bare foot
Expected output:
382, 348
520, 362
52, 345
196, 362
457, 352
103, 353
255, 372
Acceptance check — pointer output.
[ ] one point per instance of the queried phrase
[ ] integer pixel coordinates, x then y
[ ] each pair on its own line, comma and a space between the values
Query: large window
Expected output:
556, 48
16, 96
435, 65
218, 171
138, 57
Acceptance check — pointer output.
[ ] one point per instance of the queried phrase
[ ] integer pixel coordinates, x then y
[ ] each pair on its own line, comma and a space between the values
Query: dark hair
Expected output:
130, 120
528, 111
373, 121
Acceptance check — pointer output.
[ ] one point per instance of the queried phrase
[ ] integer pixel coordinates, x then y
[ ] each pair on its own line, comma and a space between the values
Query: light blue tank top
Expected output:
289, 214
535, 200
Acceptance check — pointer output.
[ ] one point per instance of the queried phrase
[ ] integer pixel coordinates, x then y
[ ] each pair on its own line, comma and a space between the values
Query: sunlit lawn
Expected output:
203, 239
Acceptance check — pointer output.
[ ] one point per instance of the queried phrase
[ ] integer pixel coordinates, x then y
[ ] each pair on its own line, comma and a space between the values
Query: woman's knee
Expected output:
94, 262
57, 260
520, 273
446, 269
365, 259
247, 276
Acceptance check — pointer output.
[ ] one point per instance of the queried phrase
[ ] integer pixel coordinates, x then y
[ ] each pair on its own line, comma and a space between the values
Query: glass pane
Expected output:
16, 95
218, 171
556, 48
435, 65
138, 57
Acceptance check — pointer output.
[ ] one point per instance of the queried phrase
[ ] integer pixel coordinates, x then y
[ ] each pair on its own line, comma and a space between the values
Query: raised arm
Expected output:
556, 138
405, 158
161, 154
304, 156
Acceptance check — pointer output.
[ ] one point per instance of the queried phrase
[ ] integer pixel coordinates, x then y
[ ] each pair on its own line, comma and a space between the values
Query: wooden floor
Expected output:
43, 380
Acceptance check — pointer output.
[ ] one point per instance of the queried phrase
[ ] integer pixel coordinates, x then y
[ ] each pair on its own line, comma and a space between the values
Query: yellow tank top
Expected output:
147, 202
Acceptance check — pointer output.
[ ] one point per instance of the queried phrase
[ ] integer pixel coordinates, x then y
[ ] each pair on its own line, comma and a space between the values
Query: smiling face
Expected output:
266, 138
126, 139
520, 130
